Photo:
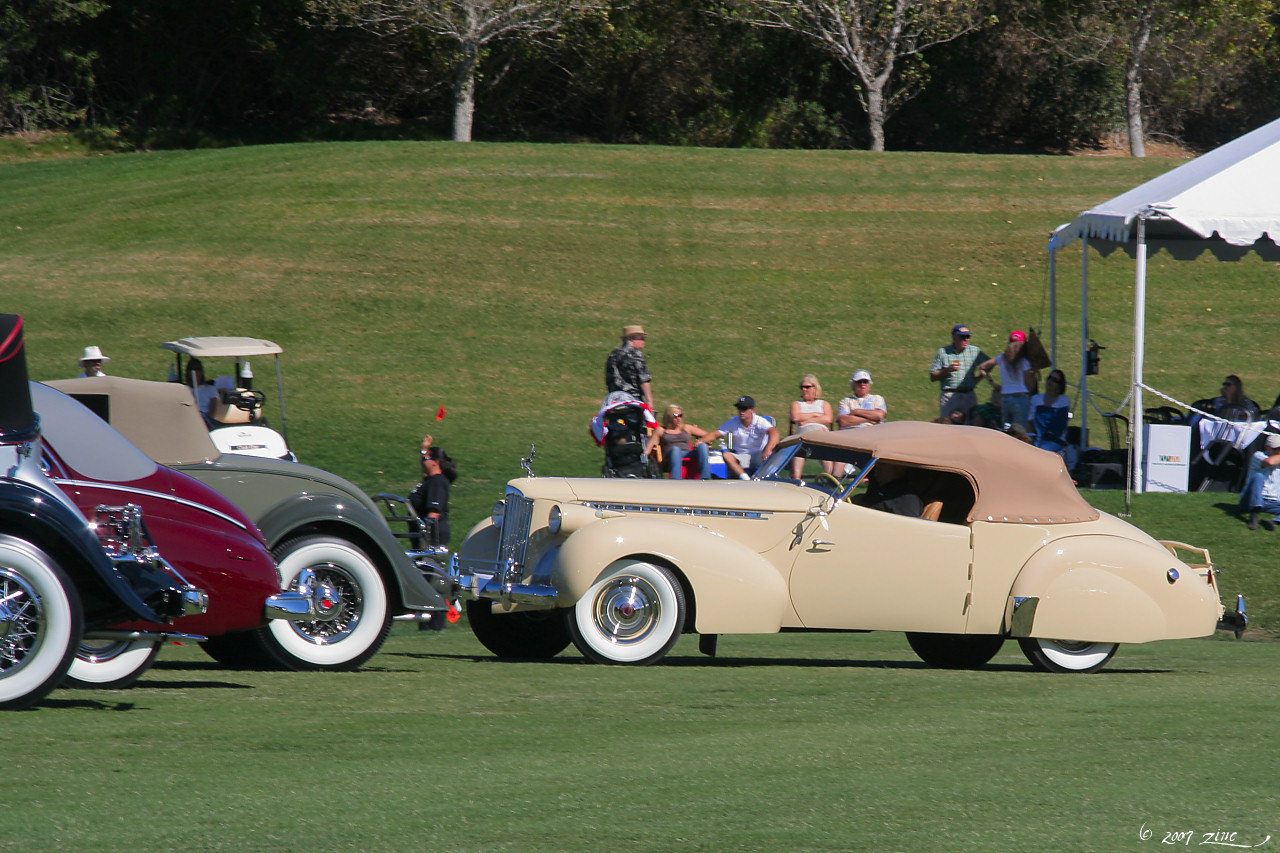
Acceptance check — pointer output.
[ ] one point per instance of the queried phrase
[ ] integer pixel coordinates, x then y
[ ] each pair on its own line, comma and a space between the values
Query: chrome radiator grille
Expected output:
515, 529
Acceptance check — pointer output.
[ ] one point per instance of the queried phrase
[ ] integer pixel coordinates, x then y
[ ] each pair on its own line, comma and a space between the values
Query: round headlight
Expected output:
498, 511
554, 518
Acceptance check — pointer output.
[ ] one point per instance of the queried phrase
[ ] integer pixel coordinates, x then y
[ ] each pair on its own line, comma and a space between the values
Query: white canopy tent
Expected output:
1226, 202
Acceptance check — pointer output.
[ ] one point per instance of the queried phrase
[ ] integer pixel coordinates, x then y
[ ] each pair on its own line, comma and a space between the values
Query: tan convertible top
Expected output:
1013, 480
160, 418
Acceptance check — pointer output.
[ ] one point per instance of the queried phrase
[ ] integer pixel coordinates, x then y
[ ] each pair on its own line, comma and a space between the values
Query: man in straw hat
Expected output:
625, 369
92, 360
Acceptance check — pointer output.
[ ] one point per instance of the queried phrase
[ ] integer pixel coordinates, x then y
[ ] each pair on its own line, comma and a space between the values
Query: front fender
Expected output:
735, 590
349, 519
1111, 590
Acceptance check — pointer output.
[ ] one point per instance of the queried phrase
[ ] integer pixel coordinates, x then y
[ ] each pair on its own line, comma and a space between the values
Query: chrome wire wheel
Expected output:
40, 623
354, 622
345, 612
22, 622
632, 614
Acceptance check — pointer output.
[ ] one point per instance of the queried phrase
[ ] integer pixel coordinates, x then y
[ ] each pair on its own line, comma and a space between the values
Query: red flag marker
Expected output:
440, 414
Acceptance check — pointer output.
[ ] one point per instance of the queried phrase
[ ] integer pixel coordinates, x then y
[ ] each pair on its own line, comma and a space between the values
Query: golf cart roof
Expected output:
222, 347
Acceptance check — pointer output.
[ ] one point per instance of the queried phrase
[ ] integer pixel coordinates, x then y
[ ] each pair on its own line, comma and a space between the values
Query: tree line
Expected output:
956, 75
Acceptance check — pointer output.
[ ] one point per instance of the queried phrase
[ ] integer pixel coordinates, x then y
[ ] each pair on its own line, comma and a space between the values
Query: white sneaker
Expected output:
744, 476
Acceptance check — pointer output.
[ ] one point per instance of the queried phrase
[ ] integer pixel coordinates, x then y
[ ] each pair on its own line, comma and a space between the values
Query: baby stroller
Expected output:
621, 427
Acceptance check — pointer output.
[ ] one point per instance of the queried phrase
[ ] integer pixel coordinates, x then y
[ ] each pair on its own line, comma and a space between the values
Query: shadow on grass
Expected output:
733, 663
88, 705
213, 666
1231, 509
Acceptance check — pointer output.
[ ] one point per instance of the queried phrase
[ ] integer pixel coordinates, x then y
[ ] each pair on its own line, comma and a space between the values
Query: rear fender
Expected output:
735, 590
351, 520
28, 513
1112, 590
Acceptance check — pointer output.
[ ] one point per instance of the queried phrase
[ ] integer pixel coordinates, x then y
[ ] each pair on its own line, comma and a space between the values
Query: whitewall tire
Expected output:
40, 624
1066, 655
111, 664
359, 623
633, 614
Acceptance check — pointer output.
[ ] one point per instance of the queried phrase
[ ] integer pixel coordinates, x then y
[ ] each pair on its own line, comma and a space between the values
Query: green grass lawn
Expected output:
492, 280
793, 742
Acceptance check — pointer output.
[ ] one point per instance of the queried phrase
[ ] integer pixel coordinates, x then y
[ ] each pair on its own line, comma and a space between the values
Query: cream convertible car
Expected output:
1003, 546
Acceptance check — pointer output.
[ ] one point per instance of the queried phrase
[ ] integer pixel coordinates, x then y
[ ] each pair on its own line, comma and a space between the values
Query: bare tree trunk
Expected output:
876, 116
464, 92
1133, 80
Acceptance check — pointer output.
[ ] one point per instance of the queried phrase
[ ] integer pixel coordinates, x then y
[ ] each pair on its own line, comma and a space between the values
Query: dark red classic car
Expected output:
197, 530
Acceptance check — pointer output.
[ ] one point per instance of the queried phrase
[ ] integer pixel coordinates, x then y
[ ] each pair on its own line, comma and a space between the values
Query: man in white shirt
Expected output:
752, 439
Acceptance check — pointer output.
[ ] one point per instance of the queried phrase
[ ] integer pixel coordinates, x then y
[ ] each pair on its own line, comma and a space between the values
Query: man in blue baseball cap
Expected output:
953, 368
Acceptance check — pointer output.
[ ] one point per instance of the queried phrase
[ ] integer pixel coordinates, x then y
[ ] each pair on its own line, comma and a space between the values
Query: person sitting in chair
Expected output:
754, 437
1232, 404
1261, 491
679, 440
1050, 412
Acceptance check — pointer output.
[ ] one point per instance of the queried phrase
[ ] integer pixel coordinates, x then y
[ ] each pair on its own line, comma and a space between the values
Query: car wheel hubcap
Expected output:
627, 609
338, 600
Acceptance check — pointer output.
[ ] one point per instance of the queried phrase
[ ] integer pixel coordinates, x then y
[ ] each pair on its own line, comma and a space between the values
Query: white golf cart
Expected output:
231, 406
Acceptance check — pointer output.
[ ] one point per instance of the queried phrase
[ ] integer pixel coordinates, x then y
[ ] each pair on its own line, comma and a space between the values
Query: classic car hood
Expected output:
721, 494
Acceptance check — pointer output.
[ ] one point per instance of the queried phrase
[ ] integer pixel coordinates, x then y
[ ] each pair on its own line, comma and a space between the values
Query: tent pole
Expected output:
1084, 343
1053, 307
1139, 338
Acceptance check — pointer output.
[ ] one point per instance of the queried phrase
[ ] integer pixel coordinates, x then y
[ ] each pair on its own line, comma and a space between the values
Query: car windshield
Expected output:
85, 442
849, 467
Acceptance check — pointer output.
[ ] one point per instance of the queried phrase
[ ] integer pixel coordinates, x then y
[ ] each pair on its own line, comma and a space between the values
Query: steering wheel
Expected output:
836, 485
244, 399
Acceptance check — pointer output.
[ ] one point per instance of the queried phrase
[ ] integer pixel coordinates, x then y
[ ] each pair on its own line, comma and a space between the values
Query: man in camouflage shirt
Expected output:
625, 370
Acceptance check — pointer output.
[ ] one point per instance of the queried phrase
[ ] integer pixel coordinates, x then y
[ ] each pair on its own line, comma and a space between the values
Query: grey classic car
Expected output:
964, 537
320, 528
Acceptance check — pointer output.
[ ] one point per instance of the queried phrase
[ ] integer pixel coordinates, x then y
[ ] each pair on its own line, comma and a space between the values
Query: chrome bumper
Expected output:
1236, 620
310, 601
502, 584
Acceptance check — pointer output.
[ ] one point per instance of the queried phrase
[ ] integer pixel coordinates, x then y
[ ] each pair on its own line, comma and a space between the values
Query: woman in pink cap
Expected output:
1018, 381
